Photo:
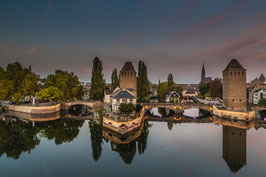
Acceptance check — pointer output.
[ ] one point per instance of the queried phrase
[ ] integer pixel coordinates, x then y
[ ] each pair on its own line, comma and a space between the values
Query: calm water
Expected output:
66, 147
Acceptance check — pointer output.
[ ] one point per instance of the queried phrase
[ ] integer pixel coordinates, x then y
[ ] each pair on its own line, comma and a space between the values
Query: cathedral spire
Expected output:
203, 73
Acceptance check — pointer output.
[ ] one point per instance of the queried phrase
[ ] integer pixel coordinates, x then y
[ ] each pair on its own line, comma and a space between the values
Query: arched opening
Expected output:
80, 110
160, 112
196, 113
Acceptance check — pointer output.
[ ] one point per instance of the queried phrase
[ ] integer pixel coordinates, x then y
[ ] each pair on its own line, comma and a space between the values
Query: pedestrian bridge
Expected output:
178, 107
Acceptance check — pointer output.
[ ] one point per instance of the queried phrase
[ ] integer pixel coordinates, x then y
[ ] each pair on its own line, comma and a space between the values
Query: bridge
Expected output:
91, 104
178, 107
258, 108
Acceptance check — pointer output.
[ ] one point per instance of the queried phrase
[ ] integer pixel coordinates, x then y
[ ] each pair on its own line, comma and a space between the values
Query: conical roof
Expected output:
262, 78
128, 67
234, 65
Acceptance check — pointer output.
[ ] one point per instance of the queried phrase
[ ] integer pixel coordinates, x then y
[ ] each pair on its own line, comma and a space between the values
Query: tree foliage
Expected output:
262, 102
17, 82
115, 80
127, 108
143, 84
97, 81
51, 94
215, 88
67, 84
170, 79
163, 89
203, 88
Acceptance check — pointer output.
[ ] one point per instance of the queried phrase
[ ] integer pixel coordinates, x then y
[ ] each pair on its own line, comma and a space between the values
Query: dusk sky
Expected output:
171, 36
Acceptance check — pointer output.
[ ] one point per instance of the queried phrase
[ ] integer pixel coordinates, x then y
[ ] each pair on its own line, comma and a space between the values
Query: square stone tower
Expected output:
234, 87
128, 78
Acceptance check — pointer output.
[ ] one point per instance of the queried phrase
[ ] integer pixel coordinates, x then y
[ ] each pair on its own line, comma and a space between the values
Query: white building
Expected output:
172, 96
122, 96
258, 95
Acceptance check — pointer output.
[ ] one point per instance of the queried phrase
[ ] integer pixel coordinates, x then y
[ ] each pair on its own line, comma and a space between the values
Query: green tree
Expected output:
215, 88
30, 84
262, 102
51, 94
97, 81
170, 79
164, 89
127, 108
67, 83
115, 80
143, 84
96, 139
203, 88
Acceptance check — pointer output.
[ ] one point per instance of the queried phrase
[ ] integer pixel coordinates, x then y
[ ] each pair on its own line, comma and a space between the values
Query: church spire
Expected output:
203, 73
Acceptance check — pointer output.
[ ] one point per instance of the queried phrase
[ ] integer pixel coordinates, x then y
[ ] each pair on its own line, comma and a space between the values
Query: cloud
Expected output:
31, 51
128, 38
211, 21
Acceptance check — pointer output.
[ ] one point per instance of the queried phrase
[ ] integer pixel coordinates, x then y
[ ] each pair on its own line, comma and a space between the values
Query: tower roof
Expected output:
262, 78
128, 67
234, 65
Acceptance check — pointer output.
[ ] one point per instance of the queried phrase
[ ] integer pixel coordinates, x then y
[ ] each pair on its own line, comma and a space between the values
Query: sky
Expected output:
170, 36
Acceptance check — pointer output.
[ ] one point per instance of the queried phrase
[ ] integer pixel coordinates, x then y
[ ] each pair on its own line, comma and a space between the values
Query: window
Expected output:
231, 73
233, 99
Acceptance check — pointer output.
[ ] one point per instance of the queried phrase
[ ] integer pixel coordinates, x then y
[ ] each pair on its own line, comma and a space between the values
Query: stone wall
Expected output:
35, 109
128, 80
233, 114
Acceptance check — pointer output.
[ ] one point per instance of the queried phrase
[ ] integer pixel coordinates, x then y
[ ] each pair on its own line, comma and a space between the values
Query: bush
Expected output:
127, 108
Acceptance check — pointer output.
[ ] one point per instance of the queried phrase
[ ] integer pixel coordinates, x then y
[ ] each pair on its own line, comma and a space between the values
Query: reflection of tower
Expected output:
203, 74
126, 151
234, 147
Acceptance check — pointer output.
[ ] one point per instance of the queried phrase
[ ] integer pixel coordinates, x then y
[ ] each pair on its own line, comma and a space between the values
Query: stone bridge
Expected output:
178, 108
91, 104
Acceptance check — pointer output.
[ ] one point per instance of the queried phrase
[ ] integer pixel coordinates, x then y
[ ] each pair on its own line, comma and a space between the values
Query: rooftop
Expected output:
234, 65
128, 67
124, 94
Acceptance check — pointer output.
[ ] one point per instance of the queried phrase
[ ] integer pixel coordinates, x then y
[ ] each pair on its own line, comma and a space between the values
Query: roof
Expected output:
171, 93
262, 89
234, 65
128, 67
124, 94
262, 78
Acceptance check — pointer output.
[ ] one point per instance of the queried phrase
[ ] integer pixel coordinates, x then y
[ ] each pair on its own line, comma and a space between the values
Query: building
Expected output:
234, 87
203, 75
122, 96
172, 96
254, 86
128, 78
258, 95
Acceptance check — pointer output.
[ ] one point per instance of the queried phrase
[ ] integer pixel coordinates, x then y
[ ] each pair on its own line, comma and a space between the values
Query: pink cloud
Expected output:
31, 51
211, 21
128, 38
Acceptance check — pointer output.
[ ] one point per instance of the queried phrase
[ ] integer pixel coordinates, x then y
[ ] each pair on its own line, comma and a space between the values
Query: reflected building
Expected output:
234, 147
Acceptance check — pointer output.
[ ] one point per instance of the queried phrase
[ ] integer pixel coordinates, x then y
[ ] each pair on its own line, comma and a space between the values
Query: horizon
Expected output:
172, 37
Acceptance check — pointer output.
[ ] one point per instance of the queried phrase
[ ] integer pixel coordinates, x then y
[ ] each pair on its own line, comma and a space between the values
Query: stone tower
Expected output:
203, 73
262, 78
128, 78
234, 87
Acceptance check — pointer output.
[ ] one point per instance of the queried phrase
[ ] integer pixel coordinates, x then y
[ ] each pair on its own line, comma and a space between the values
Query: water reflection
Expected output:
196, 113
18, 136
234, 147
160, 112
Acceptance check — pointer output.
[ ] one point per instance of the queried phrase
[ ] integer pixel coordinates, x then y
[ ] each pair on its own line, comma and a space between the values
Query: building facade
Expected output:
128, 78
122, 96
254, 86
234, 87
258, 95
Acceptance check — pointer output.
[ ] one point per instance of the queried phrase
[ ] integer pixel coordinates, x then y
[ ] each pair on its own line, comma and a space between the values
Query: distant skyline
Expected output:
174, 36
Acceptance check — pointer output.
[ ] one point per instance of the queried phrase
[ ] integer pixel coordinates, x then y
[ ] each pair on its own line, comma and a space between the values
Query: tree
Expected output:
143, 84
262, 102
164, 89
30, 84
51, 94
203, 88
215, 88
127, 108
115, 80
170, 79
67, 83
97, 81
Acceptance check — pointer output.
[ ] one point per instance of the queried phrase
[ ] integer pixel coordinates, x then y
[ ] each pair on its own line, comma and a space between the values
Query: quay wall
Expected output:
234, 114
35, 109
